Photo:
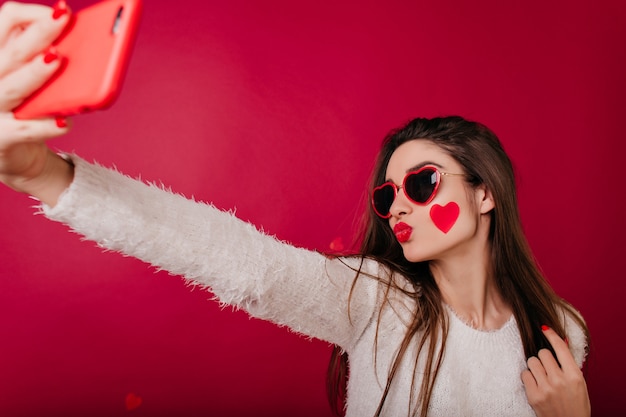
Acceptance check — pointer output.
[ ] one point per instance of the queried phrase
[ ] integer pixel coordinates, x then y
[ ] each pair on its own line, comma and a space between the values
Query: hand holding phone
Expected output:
96, 48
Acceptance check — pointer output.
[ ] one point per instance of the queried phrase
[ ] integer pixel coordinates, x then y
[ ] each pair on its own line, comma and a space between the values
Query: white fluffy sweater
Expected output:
302, 289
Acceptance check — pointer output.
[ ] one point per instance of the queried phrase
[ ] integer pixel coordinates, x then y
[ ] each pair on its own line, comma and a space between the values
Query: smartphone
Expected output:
95, 49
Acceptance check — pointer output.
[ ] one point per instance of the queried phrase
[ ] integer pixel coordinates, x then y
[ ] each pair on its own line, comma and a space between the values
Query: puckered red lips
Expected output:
402, 231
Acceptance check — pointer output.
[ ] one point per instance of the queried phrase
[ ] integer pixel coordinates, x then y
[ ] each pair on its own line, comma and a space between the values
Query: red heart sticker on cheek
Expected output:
444, 217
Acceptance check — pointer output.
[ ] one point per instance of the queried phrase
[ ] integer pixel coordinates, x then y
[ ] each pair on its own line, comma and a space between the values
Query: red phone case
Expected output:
96, 48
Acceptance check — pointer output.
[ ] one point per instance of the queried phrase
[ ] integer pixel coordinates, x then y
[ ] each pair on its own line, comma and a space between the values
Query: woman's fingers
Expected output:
26, 60
530, 385
22, 147
549, 363
537, 370
563, 354
554, 390
14, 131
545, 368
14, 17
26, 30
26, 63
22, 82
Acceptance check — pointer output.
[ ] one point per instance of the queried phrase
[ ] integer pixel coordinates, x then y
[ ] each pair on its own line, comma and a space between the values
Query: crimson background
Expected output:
276, 108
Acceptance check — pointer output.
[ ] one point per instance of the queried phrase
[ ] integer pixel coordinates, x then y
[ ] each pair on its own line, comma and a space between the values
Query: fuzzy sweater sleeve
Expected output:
577, 340
243, 267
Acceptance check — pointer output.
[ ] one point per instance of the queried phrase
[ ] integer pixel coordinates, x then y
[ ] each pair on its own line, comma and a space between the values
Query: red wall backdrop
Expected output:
277, 108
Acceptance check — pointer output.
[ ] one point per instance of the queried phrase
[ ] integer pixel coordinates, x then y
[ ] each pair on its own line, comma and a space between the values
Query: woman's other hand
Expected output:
26, 62
554, 390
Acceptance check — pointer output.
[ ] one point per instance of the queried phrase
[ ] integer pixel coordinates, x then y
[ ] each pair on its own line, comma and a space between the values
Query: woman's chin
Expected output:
415, 257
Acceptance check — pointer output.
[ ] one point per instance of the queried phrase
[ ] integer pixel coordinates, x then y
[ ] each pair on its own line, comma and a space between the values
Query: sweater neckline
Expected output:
453, 314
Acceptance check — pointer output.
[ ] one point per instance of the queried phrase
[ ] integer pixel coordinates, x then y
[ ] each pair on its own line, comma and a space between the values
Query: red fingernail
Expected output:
59, 9
50, 55
61, 121
544, 328
566, 341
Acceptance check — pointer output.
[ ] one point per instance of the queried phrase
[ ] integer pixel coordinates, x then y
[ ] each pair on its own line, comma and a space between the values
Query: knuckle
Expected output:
538, 399
10, 93
10, 96
549, 390
9, 101
575, 378
14, 53
21, 129
14, 130
558, 384
11, 134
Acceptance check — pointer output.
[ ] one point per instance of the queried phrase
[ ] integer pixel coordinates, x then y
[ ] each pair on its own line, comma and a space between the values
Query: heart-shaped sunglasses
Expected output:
419, 186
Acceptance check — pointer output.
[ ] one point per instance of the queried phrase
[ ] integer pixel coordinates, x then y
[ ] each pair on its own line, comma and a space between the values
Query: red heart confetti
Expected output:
337, 244
444, 217
133, 401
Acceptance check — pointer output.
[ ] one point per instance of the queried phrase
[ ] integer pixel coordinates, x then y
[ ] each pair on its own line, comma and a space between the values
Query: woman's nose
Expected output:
401, 204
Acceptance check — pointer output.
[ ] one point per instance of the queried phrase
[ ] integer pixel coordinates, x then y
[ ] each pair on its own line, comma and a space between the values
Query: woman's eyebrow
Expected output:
423, 164
418, 166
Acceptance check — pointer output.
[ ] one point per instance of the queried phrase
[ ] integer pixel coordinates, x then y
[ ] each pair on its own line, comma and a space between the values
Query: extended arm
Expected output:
270, 279
243, 267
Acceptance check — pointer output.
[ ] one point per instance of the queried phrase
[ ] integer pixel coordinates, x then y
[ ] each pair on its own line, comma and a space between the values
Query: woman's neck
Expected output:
467, 285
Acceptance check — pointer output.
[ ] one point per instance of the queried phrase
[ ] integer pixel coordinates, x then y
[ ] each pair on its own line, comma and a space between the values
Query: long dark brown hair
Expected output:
517, 275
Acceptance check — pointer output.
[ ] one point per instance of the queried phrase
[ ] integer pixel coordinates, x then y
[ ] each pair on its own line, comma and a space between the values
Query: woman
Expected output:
443, 313
458, 195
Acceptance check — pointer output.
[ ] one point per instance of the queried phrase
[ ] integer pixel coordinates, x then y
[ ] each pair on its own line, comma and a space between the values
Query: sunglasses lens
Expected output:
421, 185
382, 199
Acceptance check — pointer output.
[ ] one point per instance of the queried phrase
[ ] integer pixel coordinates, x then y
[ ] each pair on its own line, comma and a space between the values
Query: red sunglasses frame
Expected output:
396, 188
